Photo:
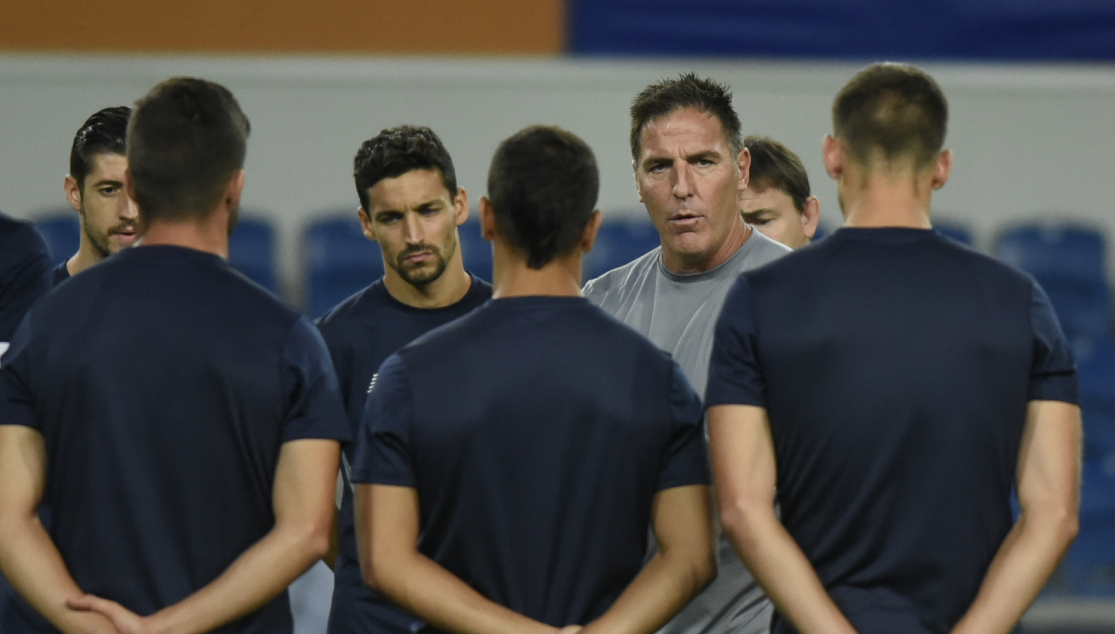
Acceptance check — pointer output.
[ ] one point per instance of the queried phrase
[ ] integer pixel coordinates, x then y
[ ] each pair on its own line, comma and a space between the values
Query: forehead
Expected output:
766, 198
107, 166
686, 129
410, 188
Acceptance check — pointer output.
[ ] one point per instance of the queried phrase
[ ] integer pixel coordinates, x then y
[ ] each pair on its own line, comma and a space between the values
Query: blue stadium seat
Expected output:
475, 250
955, 230
338, 261
62, 231
251, 249
617, 243
1095, 364
1069, 261
1089, 566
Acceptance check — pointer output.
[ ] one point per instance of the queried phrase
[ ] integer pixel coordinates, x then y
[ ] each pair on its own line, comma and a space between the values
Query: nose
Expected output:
129, 211
412, 228
683, 180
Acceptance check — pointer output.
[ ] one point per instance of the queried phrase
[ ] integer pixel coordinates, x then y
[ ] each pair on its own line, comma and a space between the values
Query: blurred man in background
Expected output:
410, 204
777, 201
95, 189
690, 169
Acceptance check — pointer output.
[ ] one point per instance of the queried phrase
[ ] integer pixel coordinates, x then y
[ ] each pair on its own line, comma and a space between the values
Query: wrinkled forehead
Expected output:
686, 129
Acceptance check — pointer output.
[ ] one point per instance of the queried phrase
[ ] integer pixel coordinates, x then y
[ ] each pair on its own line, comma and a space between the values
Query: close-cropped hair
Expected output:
891, 112
103, 133
543, 184
186, 140
396, 151
775, 165
687, 91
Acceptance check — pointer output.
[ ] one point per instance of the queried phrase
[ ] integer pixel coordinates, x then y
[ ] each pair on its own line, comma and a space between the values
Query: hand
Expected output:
123, 619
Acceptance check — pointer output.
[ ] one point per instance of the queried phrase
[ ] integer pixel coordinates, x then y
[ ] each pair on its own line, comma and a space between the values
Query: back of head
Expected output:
396, 151
103, 133
542, 185
775, 165
687, 91
892, 114
186, 140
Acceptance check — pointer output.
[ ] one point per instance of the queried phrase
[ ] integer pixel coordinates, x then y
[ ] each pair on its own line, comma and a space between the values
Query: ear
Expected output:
810, 216
743, 162
73, 192
941, 169
460, 206
366, 224
833, 155
638, 187
487, 219
592, 227
235, 188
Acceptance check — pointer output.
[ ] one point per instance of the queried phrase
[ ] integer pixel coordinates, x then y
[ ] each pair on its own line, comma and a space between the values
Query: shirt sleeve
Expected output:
383, 445
735, 375
25, 276
17, 403
314, 407
1053, 372
687, 455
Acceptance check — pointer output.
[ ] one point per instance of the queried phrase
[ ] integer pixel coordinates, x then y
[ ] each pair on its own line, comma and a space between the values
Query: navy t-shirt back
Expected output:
537, 432
164, 384
361, 332
896, 367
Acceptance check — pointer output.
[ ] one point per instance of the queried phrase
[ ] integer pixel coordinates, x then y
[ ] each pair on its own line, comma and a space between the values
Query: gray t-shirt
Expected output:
678, 313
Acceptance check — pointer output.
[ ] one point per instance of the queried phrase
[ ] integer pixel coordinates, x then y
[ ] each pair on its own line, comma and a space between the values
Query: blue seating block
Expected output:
338, 261
251, 249
475, 250
617, 243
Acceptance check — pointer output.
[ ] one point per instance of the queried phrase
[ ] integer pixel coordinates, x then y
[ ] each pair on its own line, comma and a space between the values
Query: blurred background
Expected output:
1031, 86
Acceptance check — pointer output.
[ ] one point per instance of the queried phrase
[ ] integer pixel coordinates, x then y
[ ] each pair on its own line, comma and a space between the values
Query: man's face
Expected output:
690, 182
772, 212
108, 217
414, 219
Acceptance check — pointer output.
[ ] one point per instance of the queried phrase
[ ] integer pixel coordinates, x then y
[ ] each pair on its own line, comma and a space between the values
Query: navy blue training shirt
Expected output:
896, 367
164, 384
537, 432
361, 332
24, 272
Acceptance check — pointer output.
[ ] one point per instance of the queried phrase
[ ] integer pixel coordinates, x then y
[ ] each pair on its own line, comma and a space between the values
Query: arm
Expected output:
305, 478
29, 558
744, 474
684, 564
387, 527
1049, 494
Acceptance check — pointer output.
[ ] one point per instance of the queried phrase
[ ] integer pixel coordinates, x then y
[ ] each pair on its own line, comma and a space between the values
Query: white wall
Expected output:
1030, 141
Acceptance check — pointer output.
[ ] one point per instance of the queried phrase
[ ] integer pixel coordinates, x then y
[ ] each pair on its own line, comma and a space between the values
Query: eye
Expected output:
108, 190
430, 211
657, 168
389, 218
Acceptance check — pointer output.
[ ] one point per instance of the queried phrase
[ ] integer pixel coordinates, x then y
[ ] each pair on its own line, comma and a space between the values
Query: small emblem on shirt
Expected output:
372, 384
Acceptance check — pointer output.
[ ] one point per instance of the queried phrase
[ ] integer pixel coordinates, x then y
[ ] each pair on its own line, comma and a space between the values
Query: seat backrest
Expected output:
251, 249
338, 260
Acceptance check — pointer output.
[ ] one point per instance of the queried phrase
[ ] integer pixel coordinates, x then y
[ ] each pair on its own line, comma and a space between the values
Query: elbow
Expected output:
739, 518
375, 568
704, 570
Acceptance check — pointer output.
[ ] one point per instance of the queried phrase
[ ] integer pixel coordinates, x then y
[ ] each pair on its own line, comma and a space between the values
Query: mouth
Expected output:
683, 219
417, 257
126, 235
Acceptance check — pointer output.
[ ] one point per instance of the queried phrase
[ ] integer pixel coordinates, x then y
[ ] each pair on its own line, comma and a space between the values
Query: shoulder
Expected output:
352, 307
763, 250
623, 280
20, 242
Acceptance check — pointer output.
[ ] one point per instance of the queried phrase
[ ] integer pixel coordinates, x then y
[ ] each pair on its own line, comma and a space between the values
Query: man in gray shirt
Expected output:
690, 167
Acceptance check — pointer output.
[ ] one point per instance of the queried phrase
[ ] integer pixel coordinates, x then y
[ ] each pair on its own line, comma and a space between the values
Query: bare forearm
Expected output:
431, 592
662, 588
784, 572
1020, 569
258, 575
33, 565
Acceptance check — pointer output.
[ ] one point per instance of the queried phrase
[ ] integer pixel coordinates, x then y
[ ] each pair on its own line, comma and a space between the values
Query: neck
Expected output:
885, 199
447, 289
511, 277
737, 236
85, 257
208, 233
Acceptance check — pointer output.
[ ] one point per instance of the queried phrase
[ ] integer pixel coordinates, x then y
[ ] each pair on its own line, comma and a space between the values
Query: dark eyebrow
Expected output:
106, 181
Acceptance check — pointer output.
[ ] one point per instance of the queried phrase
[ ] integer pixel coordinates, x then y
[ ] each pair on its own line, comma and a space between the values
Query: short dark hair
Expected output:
687, 91
542, 185
103, 133
396, 151
186, 140
775, 165
892, 112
